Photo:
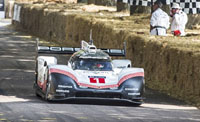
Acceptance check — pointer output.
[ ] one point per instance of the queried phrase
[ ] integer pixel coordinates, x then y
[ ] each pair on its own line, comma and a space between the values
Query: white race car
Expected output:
90, 73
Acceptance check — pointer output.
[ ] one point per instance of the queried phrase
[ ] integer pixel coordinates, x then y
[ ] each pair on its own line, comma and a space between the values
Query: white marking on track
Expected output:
6, 99
171, 107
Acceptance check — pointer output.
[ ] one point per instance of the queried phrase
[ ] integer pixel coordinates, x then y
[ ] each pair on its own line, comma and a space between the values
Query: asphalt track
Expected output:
18, 102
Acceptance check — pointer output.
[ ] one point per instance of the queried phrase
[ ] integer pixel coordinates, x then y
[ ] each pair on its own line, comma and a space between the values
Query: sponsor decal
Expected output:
133, 94
63, 86
131, 89
114, 88
63, 91
83, 87
97, 79
97, 72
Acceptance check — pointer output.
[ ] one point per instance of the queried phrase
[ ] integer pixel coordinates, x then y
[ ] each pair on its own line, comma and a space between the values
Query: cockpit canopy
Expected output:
92, 65
90, 58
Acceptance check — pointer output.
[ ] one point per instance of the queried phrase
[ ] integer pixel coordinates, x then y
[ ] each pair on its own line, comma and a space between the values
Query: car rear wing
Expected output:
71, 50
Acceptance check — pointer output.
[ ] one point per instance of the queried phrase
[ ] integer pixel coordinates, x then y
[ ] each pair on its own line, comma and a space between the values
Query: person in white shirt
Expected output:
159, 22
179, 20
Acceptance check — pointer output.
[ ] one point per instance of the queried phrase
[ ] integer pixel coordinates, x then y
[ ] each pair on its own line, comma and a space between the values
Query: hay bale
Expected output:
102, 2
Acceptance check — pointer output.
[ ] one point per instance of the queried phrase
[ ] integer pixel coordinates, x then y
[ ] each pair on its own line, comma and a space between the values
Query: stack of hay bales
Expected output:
44, 1
103, 2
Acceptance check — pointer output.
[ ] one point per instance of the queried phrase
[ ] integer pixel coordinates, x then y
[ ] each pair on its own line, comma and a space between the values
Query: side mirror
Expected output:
45, 64
121, 63
73, 66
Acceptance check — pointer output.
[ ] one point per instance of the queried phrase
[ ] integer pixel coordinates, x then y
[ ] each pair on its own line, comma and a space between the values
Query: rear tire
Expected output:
47, 91
35, 86
36, 73
36, 94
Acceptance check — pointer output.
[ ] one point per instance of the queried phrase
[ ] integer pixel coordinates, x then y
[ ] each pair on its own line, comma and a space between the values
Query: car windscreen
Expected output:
92, 65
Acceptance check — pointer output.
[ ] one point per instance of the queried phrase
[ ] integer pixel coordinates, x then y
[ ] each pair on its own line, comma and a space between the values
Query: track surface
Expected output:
18, 102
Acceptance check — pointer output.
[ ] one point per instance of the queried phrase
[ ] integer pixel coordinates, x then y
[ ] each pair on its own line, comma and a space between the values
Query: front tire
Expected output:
137, 103
35, 86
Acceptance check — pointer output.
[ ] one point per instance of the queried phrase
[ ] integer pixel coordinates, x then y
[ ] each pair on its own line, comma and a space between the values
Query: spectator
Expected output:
179, 20
159, 22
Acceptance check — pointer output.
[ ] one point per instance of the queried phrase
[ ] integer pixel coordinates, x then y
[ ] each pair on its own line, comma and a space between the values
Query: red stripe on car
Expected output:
126, 77
65, 73
98, 87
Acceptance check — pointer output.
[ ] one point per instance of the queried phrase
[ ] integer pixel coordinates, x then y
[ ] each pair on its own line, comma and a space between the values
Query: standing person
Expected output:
179, 20
159, 22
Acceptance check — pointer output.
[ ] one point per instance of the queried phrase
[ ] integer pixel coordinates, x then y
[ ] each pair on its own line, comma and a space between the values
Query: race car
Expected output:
89, 74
